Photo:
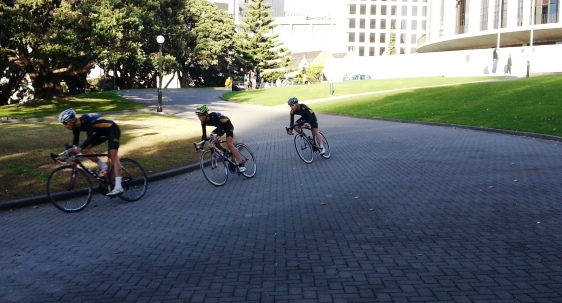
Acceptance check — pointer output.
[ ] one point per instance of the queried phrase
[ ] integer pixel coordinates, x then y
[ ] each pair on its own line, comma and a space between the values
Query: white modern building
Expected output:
372, 24
431, 37
464, 24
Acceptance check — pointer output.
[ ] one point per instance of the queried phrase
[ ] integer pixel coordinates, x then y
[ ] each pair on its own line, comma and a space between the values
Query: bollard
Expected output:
331, 88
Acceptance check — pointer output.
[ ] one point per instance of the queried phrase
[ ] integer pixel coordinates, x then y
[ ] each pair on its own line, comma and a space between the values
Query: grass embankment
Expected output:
158, 142
161, 142
527, 104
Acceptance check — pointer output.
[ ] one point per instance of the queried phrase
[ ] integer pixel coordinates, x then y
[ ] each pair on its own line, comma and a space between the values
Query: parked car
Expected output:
360, 77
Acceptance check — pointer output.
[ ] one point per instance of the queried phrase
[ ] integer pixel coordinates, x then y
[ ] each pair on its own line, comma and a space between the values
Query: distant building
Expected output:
463, 24
370, 25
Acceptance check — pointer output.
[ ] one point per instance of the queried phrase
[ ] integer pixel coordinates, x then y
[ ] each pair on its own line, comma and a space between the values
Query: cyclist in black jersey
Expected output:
307, 117
223, 126
98, 131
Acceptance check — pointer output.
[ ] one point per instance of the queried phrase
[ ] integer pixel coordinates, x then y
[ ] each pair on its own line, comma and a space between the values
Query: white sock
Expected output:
102, 165
118, 182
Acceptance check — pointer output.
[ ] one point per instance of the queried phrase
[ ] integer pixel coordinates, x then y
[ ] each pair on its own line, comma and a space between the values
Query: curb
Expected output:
32, 201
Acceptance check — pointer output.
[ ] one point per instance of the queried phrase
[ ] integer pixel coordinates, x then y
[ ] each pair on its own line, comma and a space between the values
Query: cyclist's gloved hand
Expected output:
307, 125
289, 132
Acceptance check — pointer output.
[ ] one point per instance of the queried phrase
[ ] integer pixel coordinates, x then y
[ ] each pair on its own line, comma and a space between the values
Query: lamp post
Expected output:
160, 39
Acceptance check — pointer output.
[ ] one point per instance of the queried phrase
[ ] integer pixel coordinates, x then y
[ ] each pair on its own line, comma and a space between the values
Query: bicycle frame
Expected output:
76, 163
300, 132
217, 161
307, 141
218, 151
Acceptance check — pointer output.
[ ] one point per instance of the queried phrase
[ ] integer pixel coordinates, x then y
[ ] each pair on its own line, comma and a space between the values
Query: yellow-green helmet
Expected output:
201, 110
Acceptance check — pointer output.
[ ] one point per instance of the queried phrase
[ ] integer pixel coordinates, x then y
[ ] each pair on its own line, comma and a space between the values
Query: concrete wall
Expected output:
543, 59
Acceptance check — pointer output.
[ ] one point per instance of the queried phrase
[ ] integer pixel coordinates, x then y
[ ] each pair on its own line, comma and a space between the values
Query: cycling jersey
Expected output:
222, 123
98, 131
307, 116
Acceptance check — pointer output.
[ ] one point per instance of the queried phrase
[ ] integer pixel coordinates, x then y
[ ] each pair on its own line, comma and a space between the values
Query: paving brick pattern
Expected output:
400, 213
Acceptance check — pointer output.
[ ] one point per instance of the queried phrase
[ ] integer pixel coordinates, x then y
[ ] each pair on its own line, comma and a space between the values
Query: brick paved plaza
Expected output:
400, 213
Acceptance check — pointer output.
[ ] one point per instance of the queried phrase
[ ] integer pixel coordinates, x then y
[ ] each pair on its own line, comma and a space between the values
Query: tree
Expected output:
391, 50
262, 51
211, 44
54, 41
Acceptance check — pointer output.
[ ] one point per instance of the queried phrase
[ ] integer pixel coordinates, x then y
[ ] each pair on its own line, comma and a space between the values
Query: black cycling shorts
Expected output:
112, 139
227, 128
313, 122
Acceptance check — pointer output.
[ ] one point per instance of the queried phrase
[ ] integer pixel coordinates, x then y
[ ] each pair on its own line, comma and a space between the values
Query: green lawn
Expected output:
526, 104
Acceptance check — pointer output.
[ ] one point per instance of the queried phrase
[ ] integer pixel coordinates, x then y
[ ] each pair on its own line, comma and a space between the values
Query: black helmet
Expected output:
293, 101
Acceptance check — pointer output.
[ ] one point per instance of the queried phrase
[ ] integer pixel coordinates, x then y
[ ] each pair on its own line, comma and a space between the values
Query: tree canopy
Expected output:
49, 42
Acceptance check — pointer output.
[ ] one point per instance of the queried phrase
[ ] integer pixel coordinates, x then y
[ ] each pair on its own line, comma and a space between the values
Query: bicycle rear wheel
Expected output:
247, 157
304, 149
68, 190
326, 154
214, 168
135, 181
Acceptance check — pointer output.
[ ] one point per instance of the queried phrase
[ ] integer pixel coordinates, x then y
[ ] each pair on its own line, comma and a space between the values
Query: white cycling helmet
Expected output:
66, 115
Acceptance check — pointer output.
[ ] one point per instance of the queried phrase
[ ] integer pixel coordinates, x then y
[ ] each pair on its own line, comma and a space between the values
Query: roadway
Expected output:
400, 213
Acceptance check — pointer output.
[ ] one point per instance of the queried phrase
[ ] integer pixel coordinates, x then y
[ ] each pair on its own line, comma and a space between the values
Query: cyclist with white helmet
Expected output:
223, 126
307, 117
98, 131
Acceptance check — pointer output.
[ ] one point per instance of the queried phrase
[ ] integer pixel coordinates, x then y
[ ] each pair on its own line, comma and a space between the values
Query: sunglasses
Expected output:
65, 123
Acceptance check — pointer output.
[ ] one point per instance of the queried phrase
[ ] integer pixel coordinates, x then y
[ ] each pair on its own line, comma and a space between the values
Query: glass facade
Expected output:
371, 23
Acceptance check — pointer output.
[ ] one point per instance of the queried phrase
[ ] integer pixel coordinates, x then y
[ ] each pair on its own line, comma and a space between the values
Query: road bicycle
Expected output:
216, 162
306, 145
70, 188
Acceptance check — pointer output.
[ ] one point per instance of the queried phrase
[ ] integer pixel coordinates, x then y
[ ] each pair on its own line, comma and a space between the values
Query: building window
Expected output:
373, 23
373, 9
393, 10
413, 39
371, 51
352, 9
372, 38
361, 37
383, 24
361, 51
351, 37
352, 23
383, 10
404, 12
414, 25
500, 12
383, 38
414, 11
461, 16
362, 9
361, 23
520, 13
546, 12
381, 51
484, 16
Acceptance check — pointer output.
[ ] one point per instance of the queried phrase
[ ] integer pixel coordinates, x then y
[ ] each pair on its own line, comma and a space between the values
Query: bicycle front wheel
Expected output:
69, 190
135, 181
247, 157
326, 153
214, 168
304, 149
